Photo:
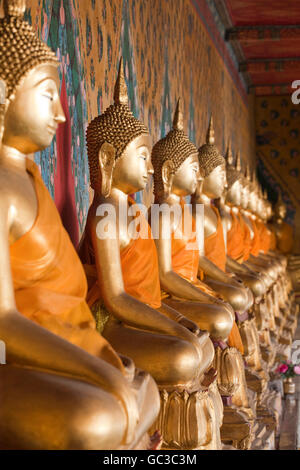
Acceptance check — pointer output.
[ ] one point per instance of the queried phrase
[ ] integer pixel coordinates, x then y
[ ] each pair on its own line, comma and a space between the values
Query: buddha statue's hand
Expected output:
238, 280
217, 301
209, 377
189, 324
228, 274
193, 328
196, 340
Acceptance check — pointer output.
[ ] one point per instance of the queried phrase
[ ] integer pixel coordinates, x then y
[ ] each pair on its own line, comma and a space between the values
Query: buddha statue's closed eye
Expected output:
62, 380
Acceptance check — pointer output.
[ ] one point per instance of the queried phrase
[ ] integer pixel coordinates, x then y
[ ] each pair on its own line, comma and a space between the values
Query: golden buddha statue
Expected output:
234, 229
283, 231
213, 261
124, 286
269, 322
235, 236
282, 245
286, 279
63, 386
249, 205
176, 175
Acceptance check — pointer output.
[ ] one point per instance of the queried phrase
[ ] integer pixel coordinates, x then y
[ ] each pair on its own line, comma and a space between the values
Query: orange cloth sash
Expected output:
264, 236
214, 245
272, 239
185, 262
235, 239
215, 251
255, 247
139, 265
49, 281
247, 238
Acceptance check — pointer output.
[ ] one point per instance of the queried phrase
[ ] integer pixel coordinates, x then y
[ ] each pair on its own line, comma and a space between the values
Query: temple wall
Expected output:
170, 49
278, 147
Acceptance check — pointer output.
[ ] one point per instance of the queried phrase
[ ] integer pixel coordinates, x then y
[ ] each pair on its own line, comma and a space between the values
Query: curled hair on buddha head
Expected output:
208, 154
232, 174
116, 126
21, 51
175, 147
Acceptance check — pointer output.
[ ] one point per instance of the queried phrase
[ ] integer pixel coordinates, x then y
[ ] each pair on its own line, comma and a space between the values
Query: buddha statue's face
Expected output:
244, 196
187, 177
133, 168
32, 117
269, 210
233, 194
214, 184
259, 207
281, 211
264, 212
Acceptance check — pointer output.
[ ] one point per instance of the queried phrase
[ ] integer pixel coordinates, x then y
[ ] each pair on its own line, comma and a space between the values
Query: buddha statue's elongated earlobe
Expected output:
106, 163
167, 173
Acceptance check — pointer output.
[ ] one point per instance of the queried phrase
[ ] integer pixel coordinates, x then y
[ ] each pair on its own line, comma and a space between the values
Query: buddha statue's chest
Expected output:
248, 223
227, 218
210, 221
22, 202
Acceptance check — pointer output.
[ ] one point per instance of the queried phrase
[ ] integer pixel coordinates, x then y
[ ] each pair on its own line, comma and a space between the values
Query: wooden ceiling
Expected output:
265, 36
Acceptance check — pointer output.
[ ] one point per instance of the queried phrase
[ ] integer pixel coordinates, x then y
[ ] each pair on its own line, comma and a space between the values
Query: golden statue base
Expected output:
236, 429
190, 420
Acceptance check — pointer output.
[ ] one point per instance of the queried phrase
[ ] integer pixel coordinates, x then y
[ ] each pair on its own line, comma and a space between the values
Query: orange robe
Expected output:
264, 236
235, 239
247, 238
214, 246
272, 239
49, 281
255, 246
185, 262
140, 272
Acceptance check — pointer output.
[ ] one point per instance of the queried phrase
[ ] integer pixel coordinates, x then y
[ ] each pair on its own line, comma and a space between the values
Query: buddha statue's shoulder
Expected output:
210, 220
108, 214
18, 201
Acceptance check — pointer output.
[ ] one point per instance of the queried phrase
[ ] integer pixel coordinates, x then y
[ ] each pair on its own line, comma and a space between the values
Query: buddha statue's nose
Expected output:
59, 114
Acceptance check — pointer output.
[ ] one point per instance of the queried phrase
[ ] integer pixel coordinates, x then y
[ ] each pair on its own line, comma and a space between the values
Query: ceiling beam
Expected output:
258, 32
270, 65
270, 89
